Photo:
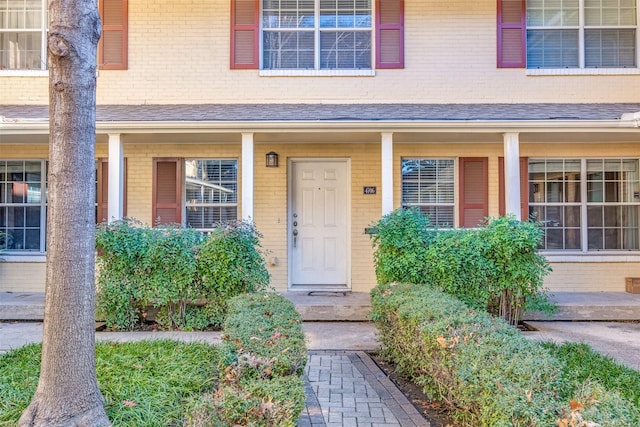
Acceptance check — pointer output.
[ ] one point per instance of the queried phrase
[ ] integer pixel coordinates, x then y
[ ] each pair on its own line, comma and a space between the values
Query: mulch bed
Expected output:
432, 410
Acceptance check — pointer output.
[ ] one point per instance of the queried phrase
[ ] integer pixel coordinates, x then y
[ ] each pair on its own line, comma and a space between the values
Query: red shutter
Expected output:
474, 191
524, 188
167, 191
102, 194
244, 34
112, 48
511, 34
502, 193
389, 33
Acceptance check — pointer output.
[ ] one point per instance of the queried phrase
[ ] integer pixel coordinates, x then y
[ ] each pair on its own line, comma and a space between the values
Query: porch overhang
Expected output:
340, 118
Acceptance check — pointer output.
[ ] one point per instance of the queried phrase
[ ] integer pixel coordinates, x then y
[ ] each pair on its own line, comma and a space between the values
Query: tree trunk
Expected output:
67, 393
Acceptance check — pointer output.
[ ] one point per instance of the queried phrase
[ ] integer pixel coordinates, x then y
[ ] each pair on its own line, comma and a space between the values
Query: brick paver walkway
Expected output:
346, 388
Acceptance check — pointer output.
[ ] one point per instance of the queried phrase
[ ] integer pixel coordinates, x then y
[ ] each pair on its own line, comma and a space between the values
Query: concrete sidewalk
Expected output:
319, 335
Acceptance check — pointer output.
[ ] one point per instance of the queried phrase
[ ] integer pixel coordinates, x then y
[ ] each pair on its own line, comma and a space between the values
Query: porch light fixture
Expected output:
272, 160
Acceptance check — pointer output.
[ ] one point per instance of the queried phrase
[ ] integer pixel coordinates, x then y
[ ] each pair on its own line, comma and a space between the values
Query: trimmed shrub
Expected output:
482, 368
264, 355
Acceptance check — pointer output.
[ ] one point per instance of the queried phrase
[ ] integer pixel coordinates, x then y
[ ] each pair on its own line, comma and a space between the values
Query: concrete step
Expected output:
21, 305
587, 306
331, 306
321, 306
355, 306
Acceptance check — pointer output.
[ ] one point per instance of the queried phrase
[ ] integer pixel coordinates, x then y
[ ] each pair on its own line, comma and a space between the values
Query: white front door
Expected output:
319, 224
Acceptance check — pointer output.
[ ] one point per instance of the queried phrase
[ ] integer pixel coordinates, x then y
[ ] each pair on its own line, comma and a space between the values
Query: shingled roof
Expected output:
336, 112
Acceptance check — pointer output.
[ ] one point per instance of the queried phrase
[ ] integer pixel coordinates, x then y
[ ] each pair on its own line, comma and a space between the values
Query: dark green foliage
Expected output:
264, 355
496, 268
189, 277
230, 261
484, 369
402, 239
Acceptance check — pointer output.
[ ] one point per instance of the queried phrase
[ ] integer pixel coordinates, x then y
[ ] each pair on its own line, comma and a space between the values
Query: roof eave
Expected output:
34, 126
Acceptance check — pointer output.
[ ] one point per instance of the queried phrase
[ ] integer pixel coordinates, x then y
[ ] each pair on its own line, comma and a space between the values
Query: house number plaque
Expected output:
369, 190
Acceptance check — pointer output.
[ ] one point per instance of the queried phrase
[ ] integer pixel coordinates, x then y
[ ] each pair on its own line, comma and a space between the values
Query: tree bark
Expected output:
67, 393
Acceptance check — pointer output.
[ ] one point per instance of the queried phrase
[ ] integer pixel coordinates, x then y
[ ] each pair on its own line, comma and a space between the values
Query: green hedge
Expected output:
484, 369
496, 267
188, 276
264, 356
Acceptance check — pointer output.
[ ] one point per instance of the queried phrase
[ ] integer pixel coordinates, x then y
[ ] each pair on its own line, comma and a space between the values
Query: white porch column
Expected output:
247, 175
116, 178
512, 174
387, 172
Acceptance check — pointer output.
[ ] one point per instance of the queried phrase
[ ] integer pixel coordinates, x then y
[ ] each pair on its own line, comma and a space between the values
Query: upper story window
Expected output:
317, 37
581, 33
586, 204
316, 34
23, 33
23, 205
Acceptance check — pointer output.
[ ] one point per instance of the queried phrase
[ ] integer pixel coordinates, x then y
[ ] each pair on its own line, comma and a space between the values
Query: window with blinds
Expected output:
581, 33
316, 34
211, 192
430, 185
23, 34
23, 26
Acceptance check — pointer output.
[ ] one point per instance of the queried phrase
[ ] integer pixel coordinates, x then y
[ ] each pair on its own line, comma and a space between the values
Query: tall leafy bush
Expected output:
230, 261
402, 239
184, 274
497, 267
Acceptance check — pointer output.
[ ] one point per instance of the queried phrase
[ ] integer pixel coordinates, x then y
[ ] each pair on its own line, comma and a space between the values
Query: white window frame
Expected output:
43, 209
454, 183
317, 29
581, 68
198, 205
584, 204
43, 46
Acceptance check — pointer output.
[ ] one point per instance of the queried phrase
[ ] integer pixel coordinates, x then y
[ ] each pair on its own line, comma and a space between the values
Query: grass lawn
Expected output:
145, 383
580, 363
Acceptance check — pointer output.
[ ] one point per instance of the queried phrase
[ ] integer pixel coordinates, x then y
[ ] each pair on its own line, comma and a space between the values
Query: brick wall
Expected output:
179, 53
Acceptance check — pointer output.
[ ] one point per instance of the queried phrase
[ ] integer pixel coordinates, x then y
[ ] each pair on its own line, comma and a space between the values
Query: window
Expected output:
430, 185
211, 192
581, 33
309, 34
586, 204
23, 205
316, 34
23, 33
